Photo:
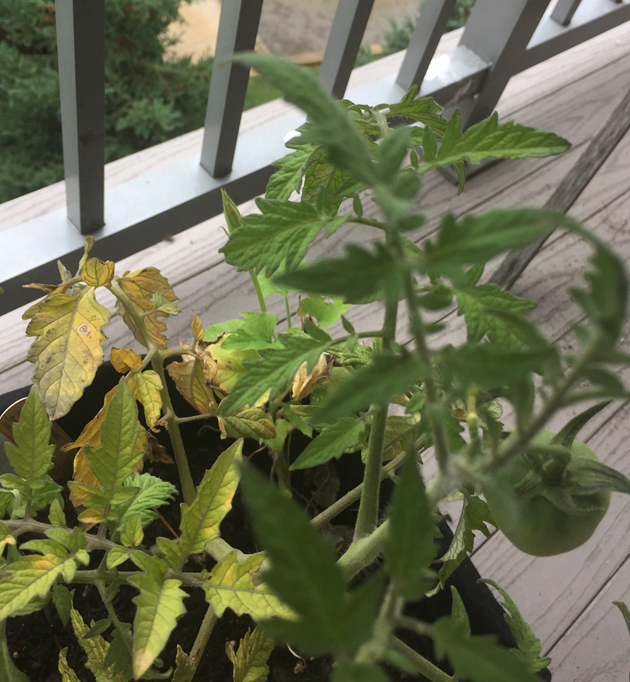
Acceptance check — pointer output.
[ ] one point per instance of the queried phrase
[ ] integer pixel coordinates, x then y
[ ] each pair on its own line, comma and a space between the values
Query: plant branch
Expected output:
258, 290
201, 640
420, 663
370, 222
20, 526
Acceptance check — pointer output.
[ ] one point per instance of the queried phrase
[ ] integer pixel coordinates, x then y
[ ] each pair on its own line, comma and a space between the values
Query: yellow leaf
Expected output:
67, 674
96, 649
197, 328
67, 349
303, 381
231, 585
247, 423
145, 388
140, 286
124, 359
95, 273
191, 382
229, 363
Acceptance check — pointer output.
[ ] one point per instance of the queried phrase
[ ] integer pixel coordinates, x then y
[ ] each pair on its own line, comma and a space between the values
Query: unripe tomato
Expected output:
535, 524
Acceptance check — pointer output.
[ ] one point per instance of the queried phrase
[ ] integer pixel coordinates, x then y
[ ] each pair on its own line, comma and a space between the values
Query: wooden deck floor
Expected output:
568, 599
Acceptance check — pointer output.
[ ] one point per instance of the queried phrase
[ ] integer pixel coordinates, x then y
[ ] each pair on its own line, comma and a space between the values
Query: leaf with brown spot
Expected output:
96, 273
141, 286
197, 328
67, 349
124, 359
190, 380
248, 423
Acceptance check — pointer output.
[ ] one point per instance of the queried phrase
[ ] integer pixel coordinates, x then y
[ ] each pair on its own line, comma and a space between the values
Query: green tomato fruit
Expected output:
535, 524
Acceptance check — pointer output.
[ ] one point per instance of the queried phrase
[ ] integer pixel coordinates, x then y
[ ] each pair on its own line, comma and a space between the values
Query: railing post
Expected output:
429, 28
563, 12
343, 44
81, 51
238, 28
498, 31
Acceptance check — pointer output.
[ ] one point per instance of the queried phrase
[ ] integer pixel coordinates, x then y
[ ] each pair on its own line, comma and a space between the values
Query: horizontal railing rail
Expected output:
501, 39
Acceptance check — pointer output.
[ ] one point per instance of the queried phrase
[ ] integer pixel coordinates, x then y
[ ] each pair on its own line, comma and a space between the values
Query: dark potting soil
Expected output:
35, 640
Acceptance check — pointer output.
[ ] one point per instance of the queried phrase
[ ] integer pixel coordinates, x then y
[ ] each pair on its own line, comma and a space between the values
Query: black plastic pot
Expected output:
485, 613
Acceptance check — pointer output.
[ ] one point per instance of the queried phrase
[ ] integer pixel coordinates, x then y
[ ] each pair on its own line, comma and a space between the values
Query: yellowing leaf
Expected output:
141, 286
303, 380
231, 585
229, 363
5, 537
96, 649
158, 608
248, 423
191, 382
67, 350
30, 576
95, 273
145, 388
200, 522
67, 674
124, 359
197, 327
250, 660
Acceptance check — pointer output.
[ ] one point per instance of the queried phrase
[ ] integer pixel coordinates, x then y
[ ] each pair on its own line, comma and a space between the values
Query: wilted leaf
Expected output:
230, 365
67, 350
197, 328
141, 286
191, 382
303, 381
124, 359
96, 649
95, 273
200, 521
67, 674
247, 423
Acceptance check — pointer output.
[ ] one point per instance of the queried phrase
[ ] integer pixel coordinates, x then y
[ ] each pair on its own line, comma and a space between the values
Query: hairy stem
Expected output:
258, 290
420, 663
367, 518
202, 638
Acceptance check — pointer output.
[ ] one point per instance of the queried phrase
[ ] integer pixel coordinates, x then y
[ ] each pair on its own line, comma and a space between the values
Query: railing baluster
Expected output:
343, 44
238, 28
498, 31
563, 12
81, 50
429, 28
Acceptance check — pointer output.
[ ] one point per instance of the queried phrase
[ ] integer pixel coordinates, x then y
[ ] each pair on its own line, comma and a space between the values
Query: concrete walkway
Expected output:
287, 27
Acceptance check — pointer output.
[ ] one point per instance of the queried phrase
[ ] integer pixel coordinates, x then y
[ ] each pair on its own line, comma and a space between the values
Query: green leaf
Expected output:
55, 514
489, 367
250, 659
255, 332
231, 213
387, 376
131, 534
493, 140
479, 659
158, 606
330, 126
528, 644
200, 521
113, 460
231, 585
458, 613
478, 305
288, 178
153, 492
409, 548
281, 233
98, 628
325, 310
213, 332
625, 612
32, 458
478, 238
391, 152
184, 668
358, 276
274, 370
343, 436
324, 179
62, 599
8, 671
304, 574
424, 110
475, 515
